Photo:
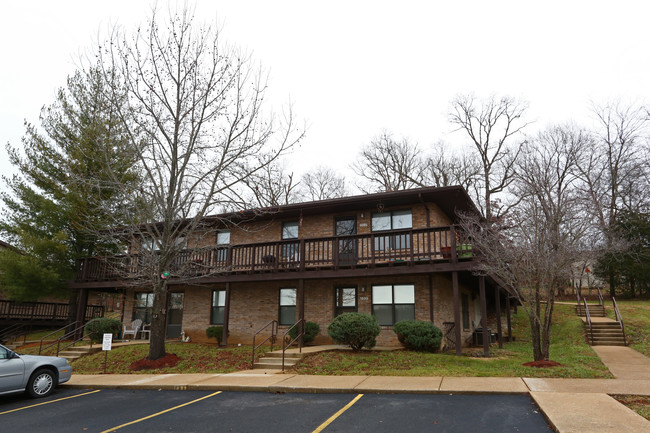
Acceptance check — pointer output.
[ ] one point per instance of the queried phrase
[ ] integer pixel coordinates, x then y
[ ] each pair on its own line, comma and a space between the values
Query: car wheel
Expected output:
41, 384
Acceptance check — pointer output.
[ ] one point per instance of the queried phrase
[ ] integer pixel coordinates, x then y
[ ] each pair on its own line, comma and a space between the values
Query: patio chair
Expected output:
132, 330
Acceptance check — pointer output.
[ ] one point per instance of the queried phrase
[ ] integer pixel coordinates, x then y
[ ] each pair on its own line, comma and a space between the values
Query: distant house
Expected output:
394, 255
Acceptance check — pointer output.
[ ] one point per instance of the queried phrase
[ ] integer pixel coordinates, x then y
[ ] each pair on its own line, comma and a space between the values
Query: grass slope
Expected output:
568, 347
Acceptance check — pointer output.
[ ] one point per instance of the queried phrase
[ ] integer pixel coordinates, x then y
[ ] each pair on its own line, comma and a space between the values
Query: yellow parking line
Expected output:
337, 414
160, 413
51, 401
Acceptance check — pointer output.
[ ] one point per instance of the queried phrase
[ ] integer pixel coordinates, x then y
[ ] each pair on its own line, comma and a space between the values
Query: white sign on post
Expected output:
108, 340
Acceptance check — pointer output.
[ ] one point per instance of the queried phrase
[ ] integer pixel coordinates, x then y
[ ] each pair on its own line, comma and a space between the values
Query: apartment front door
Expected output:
175, 314
347, 247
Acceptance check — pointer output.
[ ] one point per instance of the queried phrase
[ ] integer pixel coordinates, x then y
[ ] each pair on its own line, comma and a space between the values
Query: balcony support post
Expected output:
497, 300
486, 334
301, 309
80, 317
431, 298
508, 317
226, 316
454, 252
458, 324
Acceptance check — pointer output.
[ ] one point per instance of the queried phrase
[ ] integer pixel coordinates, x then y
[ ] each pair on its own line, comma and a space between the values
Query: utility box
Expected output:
478, 336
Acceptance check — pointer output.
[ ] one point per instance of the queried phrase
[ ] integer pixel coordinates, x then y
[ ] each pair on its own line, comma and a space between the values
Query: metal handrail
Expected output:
68, 335
11, 331
286, 345
40, 346
600, 296
588, 316
619, 318
272, 337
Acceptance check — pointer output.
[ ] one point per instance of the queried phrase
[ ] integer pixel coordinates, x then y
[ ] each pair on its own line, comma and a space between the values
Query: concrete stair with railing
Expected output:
605, 334
73, 353
595, 310
273, 360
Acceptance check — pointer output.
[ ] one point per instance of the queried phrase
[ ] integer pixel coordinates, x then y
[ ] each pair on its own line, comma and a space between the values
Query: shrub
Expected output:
420, 336
355, 330
215, 332
96, 328
311, 331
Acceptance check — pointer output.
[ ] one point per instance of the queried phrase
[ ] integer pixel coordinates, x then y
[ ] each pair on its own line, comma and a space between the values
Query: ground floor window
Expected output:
143, 306
393, 303
287, 309
345, 300
218, 307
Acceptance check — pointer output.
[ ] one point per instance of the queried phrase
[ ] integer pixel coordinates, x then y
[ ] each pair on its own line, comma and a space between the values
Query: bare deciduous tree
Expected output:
194, 111
389, 165
615, 173
442, 168
270, 186
533, 246
322, 183
493, 126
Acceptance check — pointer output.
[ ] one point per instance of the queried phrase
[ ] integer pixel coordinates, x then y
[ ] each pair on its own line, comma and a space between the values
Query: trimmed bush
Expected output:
96, 328
215, 332
356, 330
311, 331
419, 336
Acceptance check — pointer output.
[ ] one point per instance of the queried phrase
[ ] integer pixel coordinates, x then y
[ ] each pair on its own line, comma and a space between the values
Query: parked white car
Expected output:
35, 375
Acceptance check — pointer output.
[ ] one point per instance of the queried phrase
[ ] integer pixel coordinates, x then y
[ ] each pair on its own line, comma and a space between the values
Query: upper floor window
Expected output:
290, 231
392, 220
223, 237
149, 244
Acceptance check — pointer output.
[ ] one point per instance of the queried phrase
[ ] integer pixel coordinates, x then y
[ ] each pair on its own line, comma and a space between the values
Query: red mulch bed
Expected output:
169, 360
542, 364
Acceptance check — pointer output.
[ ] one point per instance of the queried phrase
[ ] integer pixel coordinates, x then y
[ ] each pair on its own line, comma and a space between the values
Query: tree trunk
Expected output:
536, 340
158, 322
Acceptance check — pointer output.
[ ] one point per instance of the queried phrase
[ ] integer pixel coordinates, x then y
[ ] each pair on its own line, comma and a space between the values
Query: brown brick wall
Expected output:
254, 304
313, 226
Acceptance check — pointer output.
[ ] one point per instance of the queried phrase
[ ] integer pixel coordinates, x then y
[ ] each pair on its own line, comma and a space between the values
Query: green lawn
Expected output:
568, 347
195, 358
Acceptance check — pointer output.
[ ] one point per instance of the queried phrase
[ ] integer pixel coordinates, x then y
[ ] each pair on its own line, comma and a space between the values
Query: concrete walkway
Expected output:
624, 362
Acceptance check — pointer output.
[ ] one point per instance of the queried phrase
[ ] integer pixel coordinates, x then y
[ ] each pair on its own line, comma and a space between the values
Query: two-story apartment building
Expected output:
394, 255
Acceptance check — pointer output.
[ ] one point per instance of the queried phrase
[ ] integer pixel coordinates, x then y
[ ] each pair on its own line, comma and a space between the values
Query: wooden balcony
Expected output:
46, 313
408, 247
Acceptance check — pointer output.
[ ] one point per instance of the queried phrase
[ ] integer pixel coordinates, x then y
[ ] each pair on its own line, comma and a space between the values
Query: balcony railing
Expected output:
45, 311
362, 250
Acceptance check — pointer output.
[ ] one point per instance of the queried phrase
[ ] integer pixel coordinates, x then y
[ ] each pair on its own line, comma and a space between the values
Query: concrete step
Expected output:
73, 353
278, 354
609, 343
274, 362
270, 365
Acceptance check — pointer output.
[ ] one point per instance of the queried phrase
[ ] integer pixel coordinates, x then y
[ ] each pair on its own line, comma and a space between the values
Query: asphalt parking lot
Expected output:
75, 410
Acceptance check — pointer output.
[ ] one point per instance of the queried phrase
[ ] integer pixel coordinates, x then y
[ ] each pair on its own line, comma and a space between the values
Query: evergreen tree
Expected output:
61, 194
628, 265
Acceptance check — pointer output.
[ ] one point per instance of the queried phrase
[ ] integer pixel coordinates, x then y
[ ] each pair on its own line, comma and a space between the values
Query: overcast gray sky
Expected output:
353, 68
